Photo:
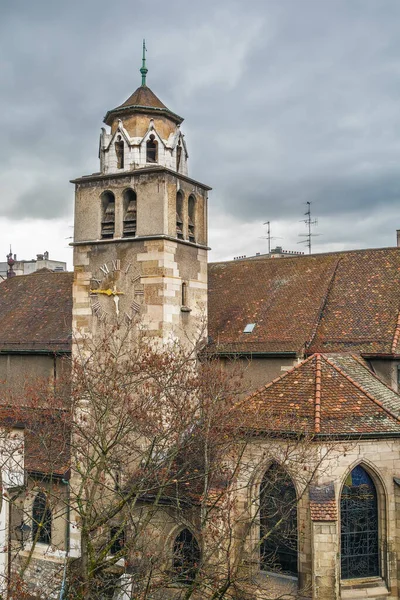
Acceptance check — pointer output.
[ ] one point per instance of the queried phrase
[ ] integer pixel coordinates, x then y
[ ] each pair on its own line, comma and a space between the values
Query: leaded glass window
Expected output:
186, 556
359, 526
41, 519
278, 522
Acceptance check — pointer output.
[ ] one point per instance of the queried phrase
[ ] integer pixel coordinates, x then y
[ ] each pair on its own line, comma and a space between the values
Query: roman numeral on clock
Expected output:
104, 269
135, 306
116, 264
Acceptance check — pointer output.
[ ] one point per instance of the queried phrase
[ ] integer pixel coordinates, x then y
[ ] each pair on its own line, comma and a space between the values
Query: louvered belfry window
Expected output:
179, 215
130, 216
192, 218
41, 519
108, 216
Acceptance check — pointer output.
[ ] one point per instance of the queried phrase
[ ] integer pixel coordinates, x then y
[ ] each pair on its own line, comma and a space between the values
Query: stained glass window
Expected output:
359, 526
278, 522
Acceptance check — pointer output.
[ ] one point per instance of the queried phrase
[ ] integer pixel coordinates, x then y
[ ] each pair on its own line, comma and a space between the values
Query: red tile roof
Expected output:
142, 99
323, 502
319, 397
36, 312
321, 303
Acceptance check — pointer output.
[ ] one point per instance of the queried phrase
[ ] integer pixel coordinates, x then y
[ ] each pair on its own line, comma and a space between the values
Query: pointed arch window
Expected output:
186, 556
41, 519
119, 151
130, 209
151, 149
359, 526
178, 156
108, 215
278, 522
179, 215
192, 218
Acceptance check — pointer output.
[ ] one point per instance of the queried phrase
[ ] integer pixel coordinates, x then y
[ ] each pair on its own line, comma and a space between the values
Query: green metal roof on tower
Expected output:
142, 100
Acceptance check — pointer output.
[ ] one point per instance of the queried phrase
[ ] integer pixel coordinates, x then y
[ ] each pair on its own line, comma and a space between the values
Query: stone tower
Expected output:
140, 243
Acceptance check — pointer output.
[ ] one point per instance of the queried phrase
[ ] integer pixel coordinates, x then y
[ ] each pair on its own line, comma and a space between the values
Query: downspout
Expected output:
63, 590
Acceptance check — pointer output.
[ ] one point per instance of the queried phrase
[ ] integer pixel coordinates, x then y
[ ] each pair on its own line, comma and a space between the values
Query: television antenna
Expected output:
268, 236
309, 223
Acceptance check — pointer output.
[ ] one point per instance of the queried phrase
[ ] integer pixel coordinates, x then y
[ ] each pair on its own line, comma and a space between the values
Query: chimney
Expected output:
398, 237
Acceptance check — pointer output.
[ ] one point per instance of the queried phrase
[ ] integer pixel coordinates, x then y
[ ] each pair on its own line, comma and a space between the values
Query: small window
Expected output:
117, 538
186, 557
119, 151
249, 328
151, 150
130, 207
41, 519
184, 295
179, 215
108, 216
191, 218
178, 156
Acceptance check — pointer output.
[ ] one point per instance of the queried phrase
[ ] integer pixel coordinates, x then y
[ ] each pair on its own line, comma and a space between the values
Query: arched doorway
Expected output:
359, 526
278, 522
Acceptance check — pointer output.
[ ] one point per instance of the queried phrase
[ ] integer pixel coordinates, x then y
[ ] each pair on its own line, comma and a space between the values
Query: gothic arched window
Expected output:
41, 519
359, 526
186, 556
119, 151
130, 206
179, 215
278, 522
108, 215
151, 149
178, 156
192, 218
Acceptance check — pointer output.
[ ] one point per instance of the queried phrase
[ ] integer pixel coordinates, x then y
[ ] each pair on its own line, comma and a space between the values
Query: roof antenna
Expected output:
309, 223
269, 237
144, 70
10, 262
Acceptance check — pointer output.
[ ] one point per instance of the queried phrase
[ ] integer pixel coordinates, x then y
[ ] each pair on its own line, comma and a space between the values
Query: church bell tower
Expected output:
140, 243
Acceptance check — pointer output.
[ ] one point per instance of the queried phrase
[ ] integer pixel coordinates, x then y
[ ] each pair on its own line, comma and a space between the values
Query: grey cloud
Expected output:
284, 102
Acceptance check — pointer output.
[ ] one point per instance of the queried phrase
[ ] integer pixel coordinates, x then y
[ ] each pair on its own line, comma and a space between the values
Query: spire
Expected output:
144, 70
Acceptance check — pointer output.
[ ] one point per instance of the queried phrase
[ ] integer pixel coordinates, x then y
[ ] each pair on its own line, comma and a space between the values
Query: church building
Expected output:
317, 336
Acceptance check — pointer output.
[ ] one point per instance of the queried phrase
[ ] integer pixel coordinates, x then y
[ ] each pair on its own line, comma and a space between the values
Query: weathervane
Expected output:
144, 69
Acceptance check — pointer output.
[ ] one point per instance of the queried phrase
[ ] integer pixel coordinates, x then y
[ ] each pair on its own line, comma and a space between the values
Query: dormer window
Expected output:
179, 215
192, 218
108, 215
130, 207
119, 151
151, 149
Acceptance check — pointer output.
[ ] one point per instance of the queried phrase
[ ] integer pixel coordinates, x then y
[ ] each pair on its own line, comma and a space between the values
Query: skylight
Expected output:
249, 328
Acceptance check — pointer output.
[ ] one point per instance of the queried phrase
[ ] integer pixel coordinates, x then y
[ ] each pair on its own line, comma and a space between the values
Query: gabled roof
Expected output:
36, 312
335, 302
319, 397
142, 100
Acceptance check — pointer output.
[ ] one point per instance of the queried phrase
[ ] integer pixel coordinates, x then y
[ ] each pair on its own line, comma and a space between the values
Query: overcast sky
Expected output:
285, 101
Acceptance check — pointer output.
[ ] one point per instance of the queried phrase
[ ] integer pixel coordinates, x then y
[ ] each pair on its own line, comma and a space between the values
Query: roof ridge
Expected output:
318, 377
360, 387
323, 303
357, 359
396, 334
268, 385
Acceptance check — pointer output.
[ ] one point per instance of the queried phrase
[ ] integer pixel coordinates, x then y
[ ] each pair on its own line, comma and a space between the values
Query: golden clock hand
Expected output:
108, 292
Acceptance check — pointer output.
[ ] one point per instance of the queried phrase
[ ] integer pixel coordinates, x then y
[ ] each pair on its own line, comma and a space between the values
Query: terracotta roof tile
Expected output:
36, 312
336, 302
318, 397
141, 100
323, 502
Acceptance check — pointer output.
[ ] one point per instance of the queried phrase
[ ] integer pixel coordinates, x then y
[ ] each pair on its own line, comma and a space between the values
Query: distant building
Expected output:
277, 252
13, 267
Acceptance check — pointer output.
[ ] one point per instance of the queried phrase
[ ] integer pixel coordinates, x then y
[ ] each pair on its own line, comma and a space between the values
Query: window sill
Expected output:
370, 587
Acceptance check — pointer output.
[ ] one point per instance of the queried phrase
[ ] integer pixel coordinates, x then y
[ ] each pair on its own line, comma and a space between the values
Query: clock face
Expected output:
116, 292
